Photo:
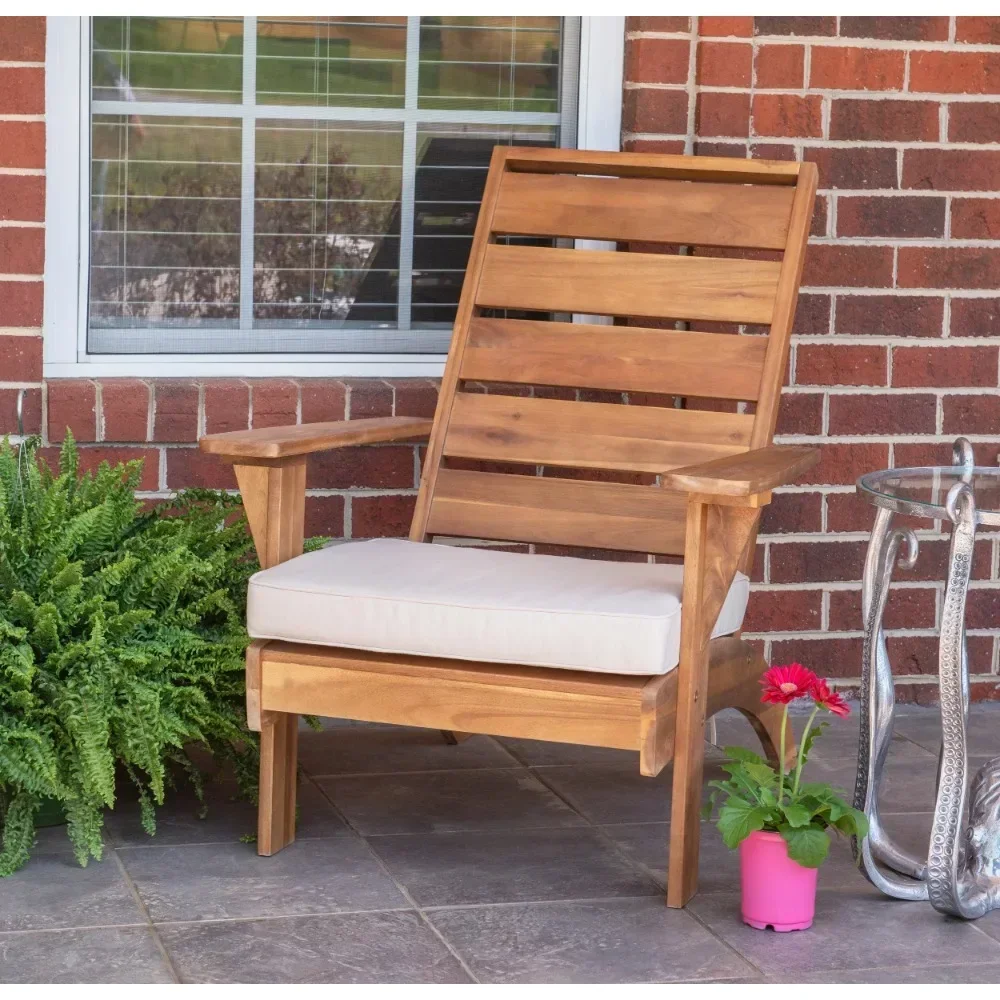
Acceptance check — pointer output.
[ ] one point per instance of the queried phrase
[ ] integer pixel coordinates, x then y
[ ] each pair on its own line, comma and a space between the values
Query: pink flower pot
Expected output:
777, 892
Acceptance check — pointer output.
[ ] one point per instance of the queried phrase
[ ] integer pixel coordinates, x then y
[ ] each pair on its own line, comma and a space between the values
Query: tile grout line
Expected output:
403, 891
140, 902
608, 841
655, 879
318, 914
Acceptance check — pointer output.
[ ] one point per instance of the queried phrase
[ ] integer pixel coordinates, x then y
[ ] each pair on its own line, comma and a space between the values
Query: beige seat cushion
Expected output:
397, 596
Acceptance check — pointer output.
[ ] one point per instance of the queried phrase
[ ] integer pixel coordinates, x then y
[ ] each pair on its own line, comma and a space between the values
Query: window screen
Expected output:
303, 184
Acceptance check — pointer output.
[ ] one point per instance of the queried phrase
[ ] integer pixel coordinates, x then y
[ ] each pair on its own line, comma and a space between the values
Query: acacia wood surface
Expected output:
559, 432
646, 210
713, 526
557, 511
563, 706
279, 736
716, 539
274, 498
304, 439
786, 298
664, 165
628, 359
551, 279
741, 475
463, 315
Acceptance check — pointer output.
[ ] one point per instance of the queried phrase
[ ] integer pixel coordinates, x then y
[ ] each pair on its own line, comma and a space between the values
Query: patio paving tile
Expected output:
853, 930
396, 748
98, 955
924, 727
988, 972
492, 840
227, 820
449, 869
610, 941
908, 784
616, 793
510, 799
542, 753
354, 948
52, 890
217, 881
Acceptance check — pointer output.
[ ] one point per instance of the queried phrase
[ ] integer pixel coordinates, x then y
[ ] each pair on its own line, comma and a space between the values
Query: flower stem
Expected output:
781, 753
802, 749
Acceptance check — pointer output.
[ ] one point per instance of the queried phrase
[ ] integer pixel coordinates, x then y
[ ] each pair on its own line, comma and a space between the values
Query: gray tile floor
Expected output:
491, 861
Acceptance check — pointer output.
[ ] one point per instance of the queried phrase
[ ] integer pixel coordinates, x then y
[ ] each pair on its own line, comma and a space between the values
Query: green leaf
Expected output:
762, 774
738, 819
122, 641
807, 845
743, 755
814, 733
797, 815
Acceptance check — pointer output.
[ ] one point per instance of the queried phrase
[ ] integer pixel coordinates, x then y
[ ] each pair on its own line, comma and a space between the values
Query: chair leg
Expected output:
685, 817
279, 738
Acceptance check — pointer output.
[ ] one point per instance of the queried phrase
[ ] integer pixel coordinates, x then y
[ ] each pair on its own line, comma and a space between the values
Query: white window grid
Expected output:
592, 121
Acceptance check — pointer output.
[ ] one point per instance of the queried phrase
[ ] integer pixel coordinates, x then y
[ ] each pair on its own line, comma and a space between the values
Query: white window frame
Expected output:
67, 124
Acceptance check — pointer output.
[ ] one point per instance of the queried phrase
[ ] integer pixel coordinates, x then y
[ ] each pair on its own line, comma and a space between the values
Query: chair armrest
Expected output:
304, 439
743, 475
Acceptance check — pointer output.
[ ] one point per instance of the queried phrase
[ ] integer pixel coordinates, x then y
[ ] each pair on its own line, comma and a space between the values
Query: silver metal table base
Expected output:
961, 874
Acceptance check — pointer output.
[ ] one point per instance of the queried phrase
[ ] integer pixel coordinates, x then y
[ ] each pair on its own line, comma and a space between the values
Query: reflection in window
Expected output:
326, 244
357, 62
294, 183
165, 221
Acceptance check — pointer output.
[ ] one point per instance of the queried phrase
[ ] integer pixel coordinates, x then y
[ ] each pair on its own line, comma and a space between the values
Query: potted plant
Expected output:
779, 822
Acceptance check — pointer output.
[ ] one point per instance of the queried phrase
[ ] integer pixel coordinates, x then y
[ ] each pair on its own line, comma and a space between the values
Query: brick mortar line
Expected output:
869, 290
814, 635
841, 42
882, 439
893, 340
838, 93
819, 141
884, 390
904, 242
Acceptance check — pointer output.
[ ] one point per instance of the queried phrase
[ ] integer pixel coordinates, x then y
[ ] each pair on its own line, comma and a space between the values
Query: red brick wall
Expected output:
896, 345
896, 348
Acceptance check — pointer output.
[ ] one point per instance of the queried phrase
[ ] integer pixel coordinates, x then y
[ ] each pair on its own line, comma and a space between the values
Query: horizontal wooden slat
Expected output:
625, 359
628, 284
591, 435
501, 699
706, 168
643, 210
557, 511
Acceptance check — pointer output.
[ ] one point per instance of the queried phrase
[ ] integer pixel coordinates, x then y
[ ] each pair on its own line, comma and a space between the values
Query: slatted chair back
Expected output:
713, 243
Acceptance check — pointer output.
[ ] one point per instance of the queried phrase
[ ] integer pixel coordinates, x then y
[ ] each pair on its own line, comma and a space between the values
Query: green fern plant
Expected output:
121, 643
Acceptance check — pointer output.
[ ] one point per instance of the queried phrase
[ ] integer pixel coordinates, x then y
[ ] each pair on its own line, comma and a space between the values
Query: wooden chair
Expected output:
710, 470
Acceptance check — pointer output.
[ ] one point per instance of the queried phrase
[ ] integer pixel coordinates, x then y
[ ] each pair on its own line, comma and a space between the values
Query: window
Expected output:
267, 189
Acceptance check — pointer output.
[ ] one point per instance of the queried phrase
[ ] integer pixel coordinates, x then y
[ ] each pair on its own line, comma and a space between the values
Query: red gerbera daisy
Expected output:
830, 700
787, 683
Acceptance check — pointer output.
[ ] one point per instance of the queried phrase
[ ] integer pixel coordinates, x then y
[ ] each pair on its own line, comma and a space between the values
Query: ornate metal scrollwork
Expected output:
962, 874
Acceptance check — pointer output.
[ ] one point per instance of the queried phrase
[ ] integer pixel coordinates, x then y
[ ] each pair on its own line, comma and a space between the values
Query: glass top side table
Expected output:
961, 874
